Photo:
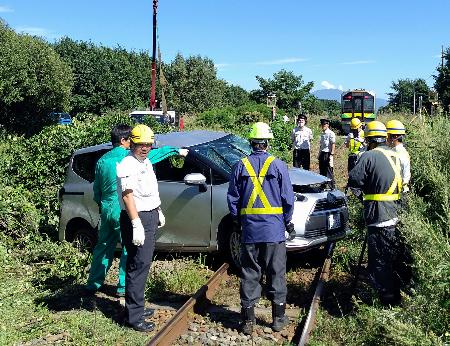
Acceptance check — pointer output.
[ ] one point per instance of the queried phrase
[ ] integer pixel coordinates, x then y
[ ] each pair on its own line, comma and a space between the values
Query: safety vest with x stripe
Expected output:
396, 184
257, 181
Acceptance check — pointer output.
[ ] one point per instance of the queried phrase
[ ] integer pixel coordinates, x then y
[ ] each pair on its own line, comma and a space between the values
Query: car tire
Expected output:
85, 239
234, 248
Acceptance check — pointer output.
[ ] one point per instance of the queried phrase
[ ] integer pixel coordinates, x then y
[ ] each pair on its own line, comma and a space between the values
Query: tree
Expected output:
106, 78
193, 85
442, 81
402, 99
33, 82
288, 88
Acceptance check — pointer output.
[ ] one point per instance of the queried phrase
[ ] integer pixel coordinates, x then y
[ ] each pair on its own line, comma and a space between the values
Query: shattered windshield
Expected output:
225, 151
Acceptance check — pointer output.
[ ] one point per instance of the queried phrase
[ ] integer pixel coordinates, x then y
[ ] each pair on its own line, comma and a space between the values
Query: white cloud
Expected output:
340, 87
281, 61
358, 62
5, 9
327, 85
219, 66
36, 31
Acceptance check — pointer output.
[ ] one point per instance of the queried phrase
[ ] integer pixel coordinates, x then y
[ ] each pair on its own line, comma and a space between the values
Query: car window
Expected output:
175, 168
84, 164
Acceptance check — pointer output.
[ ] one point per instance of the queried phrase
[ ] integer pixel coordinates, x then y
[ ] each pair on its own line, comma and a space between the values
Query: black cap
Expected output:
324, 121
302, 116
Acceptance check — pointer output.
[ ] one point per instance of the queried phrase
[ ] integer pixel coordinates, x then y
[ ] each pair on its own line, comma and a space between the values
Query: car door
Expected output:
187, 209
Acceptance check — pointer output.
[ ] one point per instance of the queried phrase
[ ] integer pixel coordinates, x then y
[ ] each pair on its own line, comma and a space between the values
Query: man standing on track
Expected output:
326, 150
301, 137
261, 199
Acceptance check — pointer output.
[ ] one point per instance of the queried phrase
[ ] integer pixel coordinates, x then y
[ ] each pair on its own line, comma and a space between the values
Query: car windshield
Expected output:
225, 151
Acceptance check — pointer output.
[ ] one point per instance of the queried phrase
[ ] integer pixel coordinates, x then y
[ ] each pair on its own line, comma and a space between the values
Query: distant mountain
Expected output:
335, 94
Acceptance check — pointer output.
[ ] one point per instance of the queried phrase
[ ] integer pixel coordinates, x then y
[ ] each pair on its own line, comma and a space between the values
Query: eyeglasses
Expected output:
145, 144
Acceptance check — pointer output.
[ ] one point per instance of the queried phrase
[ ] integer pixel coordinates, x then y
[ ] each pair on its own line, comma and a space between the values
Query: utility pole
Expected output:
414, 102
153, 88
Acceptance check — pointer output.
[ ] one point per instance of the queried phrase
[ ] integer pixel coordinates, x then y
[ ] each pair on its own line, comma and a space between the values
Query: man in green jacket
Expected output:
105, 195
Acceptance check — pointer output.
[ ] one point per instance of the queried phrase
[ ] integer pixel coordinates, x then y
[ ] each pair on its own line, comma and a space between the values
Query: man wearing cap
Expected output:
261, 199
139, 218
301, 137
326, 150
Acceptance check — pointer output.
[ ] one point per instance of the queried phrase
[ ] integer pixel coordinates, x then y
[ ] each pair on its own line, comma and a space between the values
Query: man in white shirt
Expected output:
301, 138
139, 218
326, 150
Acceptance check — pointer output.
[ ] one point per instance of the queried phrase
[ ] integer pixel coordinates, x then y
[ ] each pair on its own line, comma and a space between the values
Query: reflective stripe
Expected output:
396, 183
380, 197
258, 191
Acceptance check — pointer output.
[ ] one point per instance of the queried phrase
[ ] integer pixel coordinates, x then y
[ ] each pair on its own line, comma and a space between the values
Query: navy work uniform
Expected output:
377, 173
261, 194
138, 176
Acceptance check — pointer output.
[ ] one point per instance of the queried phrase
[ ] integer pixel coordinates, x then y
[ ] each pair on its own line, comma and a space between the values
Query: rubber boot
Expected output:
280, 320
248, 320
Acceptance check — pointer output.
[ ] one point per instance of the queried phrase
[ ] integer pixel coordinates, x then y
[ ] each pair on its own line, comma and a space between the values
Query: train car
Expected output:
358, 103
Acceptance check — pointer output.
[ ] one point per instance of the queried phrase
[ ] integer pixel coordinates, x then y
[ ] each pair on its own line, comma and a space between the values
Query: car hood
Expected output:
303, 177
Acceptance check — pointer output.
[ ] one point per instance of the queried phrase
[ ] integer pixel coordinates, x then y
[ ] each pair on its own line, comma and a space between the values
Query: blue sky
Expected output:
341, 44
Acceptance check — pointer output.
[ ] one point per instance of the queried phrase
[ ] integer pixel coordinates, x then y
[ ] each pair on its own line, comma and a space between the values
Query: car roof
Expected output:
186, 139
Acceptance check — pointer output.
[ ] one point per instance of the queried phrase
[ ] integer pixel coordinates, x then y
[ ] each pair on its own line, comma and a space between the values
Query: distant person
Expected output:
301, 137
354, 142
261, 199
326, 150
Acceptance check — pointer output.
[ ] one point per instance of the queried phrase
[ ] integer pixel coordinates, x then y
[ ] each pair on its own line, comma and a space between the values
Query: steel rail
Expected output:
179, 323
311, 319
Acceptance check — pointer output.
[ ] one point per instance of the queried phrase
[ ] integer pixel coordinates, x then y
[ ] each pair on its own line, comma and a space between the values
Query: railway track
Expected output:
197, 304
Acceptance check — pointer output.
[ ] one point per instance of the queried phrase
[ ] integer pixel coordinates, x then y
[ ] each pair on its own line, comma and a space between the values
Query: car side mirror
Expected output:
196, 179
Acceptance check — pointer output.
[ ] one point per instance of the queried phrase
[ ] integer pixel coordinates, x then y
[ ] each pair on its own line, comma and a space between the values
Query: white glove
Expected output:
331, 161
350, 135
183, 152
138, 232
162, 219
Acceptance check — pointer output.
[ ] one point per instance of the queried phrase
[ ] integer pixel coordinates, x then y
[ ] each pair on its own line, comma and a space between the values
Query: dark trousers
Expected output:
389, 262
259, 258
351, 162
324, 166
301, 158
138, 263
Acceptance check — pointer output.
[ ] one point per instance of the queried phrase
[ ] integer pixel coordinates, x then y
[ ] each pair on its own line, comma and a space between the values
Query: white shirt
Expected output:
405, 164
327, 138
302, 137
139, 177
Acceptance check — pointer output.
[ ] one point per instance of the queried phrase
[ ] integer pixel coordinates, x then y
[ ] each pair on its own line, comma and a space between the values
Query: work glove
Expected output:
162, 218
331, 161
350, 135
183, 152
359, 139
290, 231
138, 232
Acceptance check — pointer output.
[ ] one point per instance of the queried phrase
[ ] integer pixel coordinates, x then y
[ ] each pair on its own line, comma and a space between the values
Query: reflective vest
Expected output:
396, 183
354, 145
257, 191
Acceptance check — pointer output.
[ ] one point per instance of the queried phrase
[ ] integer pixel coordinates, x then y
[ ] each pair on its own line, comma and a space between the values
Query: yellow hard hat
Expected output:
395, 127
355, 123
260, 130
376, 129
142, 134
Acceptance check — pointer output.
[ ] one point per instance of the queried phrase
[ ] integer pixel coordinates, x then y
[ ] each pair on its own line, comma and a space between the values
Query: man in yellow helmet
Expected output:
396, 133
139, 218
377, 174
354, 142
261, 199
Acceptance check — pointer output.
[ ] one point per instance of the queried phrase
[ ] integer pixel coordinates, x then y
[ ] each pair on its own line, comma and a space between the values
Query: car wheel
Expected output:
84, 240
234, 248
